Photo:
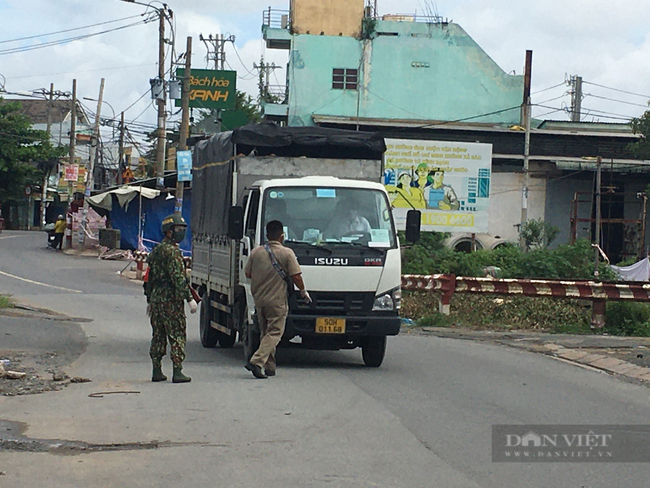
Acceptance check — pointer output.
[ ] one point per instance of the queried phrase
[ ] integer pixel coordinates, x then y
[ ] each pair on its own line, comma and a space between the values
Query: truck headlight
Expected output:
388, 301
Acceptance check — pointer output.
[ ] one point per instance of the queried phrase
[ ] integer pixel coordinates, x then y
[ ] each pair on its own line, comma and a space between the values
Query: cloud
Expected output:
605, 43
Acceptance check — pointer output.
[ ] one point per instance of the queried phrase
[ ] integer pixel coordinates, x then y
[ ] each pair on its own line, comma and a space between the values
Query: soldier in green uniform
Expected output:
166, 290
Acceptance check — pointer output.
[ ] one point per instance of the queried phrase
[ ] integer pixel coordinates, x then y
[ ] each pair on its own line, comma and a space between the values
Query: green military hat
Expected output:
172, 220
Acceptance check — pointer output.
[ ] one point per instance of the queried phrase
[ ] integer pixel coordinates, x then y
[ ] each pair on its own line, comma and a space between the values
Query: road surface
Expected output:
423, 419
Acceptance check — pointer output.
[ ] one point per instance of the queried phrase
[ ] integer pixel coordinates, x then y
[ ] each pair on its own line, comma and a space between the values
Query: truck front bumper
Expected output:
355, 327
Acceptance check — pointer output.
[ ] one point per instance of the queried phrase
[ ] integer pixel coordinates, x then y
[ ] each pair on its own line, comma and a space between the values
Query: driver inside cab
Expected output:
347, 221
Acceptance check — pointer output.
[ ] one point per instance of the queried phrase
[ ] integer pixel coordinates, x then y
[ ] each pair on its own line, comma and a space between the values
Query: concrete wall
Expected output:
560, 193
505, 204
329, 17
408, 71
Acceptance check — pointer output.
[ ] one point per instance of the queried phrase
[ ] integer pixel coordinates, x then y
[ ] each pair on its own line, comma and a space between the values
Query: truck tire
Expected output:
226, 341
373, 351
209, 336
251, 340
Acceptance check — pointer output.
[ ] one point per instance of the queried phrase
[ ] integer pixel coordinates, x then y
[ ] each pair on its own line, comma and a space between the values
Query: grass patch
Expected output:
6, 302
500, 313
627, 319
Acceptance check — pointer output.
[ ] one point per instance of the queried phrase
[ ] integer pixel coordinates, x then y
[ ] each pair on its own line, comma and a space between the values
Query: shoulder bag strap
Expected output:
274, 261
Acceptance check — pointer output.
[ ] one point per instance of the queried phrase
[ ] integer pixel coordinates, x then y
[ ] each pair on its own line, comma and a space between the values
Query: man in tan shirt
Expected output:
270, 268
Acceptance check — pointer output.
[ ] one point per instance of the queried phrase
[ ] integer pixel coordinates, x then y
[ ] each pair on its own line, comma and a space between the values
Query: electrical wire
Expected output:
614, 116
615, 89
242, 62
70, 30
67, 40
614, 100
549, 88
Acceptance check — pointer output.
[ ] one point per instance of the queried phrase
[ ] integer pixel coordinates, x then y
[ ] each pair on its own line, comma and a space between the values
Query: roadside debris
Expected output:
12, 375
116, 254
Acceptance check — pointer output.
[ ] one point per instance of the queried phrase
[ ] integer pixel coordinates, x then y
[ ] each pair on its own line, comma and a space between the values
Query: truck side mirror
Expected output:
413, 219
236, 222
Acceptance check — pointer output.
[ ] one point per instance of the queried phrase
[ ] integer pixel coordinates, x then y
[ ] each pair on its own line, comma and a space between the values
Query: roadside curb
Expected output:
572, 351
599, 361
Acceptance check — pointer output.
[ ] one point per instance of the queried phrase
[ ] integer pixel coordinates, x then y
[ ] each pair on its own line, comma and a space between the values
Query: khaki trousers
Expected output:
271, 319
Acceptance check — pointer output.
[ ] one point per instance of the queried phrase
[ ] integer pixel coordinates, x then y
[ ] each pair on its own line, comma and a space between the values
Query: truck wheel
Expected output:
209, 336
226, 341
251, 340
373, 351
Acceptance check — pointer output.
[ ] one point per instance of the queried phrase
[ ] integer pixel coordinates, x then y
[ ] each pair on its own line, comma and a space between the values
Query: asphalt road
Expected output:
423, 419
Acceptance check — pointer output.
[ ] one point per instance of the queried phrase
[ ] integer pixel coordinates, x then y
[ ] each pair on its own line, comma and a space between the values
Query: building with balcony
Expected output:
425, 78
347, 65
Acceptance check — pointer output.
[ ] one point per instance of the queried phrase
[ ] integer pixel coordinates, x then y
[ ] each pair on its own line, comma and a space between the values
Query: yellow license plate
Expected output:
330, 325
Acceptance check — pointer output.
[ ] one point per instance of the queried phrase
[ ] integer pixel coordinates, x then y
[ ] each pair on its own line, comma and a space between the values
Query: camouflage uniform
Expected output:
166, 290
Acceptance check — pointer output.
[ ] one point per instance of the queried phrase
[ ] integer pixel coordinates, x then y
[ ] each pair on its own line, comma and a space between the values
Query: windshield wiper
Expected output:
358, 244
310, 244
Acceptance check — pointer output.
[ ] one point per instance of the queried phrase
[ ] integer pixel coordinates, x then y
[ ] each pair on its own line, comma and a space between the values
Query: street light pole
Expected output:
91, 164
162, 100
599, 162
185, 123
47, 172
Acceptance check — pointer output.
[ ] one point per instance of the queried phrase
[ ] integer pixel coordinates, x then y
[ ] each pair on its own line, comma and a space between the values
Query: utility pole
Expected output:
264, 70
73, 136
576, 98
120, 157
161, 102
599, 162
185, 122
526, 115
216, 47
91, 164
47, 173
218, 51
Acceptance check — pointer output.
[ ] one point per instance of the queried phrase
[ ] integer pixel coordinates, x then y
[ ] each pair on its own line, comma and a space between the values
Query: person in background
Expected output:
347, 220
59, 231
271, 268
167, 290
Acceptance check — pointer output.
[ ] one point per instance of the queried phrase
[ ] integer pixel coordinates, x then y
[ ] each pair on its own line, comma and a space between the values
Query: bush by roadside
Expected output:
499, 313
570, 262
6, 302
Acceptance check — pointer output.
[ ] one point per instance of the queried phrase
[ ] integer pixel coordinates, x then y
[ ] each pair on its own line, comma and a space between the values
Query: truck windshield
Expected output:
323, 216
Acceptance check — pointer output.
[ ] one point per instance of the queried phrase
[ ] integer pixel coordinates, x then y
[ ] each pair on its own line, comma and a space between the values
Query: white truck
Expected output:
311, 179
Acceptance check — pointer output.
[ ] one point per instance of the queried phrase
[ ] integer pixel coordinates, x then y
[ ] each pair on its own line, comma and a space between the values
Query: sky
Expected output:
606, 42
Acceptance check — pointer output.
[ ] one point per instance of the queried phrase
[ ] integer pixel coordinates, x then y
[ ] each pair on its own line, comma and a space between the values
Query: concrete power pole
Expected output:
120, 157
526, 116
576, 98
73, 135
216, 47
161, 102
90, 180
47, 173
264, 70
185, 121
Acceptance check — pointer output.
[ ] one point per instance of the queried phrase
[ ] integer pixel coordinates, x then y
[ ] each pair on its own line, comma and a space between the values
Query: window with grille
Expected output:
345, 78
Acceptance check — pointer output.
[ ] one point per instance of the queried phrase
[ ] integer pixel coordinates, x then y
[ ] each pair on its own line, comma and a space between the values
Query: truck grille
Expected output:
332, 303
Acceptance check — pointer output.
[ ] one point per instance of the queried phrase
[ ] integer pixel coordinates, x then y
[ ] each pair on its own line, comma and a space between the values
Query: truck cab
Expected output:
343, 234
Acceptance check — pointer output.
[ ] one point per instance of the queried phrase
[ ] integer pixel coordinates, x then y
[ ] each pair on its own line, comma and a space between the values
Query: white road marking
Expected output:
39, 283
8, 237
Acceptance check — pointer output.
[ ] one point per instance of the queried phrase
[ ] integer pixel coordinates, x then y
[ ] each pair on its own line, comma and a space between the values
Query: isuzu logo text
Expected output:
331, 261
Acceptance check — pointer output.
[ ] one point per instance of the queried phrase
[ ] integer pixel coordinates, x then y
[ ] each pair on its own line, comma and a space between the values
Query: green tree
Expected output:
22, 148
538, 234
641, 126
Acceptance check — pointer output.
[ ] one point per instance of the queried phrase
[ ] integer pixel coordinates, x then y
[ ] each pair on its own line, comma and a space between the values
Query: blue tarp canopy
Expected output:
124, 215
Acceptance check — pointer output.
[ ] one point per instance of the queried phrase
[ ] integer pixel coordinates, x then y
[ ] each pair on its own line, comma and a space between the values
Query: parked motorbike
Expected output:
51, 239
